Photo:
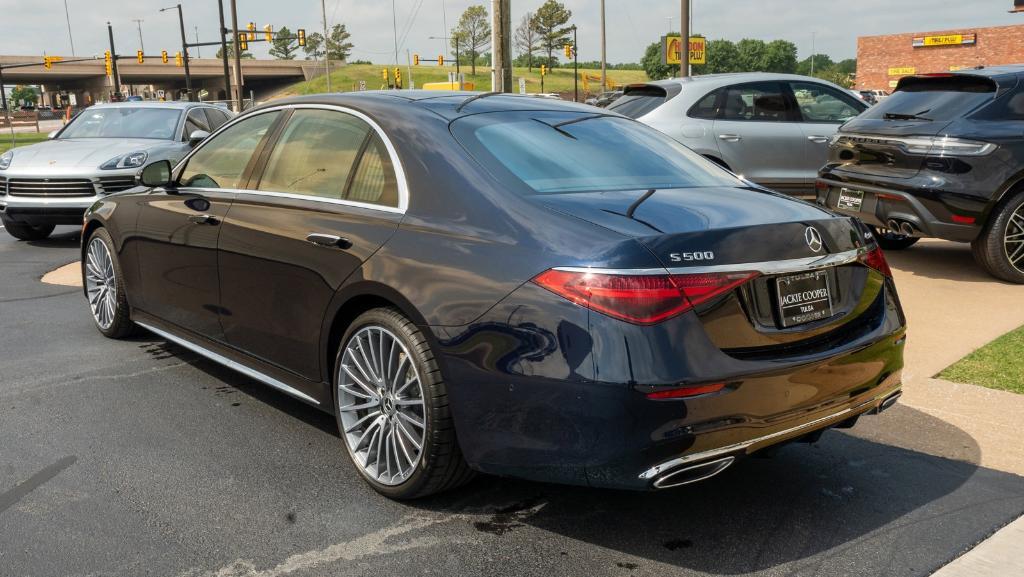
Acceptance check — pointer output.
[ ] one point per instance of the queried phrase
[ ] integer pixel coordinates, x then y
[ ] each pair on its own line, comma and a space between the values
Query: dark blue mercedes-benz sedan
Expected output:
505, 284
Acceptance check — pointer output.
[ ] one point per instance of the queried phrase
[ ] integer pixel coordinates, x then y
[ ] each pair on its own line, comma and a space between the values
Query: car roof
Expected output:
449, 104
732, 77
172, 104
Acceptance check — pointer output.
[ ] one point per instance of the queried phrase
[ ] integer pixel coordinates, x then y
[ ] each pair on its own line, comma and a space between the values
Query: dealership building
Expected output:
883, 60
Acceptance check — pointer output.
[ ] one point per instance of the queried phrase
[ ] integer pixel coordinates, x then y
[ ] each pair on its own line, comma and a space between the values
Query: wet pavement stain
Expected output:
507, 518
678, 544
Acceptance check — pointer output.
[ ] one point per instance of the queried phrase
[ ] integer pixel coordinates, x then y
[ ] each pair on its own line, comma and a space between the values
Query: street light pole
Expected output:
684, 39
184, 51
327, 51
138, 22
67, 16
113, 59
238, 56
604, 54
575, 68
224, 51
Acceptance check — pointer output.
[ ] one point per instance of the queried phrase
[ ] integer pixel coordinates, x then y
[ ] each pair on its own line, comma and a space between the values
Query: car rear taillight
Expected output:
876, 260
685, 392
639, 299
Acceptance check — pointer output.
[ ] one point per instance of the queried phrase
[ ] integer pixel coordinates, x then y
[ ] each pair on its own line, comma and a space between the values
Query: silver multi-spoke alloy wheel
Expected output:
1013, 241
380, 405
101, 283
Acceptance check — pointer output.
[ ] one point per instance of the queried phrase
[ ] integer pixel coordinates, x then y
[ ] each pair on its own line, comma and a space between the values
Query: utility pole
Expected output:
198, 53
327, 51
67, 16
604, 54
138, 22
575, 68
238, 56
113, 59
224, 51
501, 40
812, 53
684, 39
394, 28
184, 51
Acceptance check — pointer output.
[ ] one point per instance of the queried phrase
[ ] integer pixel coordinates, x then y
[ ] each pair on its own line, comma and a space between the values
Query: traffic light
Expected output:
268, 32
568, 50
243, 43
108, 63
163, 56
543, 69
178, 60
140, 56
440, 60
384, 75
416, 59
302, 36
46, 62
251, 27
398, 77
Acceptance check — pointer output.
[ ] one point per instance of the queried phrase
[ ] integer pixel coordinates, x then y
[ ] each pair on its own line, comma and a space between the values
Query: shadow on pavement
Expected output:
939, 260
63, 237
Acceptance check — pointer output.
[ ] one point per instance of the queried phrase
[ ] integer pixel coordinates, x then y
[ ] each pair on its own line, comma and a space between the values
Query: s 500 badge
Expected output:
691, 256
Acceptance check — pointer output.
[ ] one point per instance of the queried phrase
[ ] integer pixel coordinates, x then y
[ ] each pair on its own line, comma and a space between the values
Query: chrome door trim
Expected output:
221, 359
766, 268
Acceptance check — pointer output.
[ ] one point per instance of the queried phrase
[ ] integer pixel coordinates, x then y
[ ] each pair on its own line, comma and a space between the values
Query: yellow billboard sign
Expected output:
945, 40
672, 49
903, 71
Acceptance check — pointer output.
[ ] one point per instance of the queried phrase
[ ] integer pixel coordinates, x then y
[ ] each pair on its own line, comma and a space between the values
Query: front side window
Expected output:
220, 162
196, 120
564, 152
124, 122
763, 101
820, 103
216, 117
315, 154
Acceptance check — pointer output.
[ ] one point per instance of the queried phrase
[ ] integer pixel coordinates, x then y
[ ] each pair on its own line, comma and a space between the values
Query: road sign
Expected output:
362, 85
671, 48
522, 85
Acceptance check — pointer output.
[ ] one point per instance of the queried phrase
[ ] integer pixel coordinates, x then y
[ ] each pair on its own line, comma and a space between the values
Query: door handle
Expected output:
818, 138
203, 219
730, 137
329, 240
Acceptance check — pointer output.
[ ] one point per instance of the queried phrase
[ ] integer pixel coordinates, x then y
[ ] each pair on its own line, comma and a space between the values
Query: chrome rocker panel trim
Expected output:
221, 359
667, 466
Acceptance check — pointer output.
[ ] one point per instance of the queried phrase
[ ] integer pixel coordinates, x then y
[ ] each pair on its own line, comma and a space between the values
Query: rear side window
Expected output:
640, 100
707, 107
564, 152
763, 101
939, 98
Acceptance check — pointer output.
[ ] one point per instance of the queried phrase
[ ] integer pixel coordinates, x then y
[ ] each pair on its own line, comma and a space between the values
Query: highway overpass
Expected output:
88, 82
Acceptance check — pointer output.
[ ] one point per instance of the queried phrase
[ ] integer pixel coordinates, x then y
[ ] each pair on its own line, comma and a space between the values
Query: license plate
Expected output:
850, 199
804, 298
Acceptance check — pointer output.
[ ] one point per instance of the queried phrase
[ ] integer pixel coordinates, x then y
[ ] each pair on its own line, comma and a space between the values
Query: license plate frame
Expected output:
803, 298
850, 199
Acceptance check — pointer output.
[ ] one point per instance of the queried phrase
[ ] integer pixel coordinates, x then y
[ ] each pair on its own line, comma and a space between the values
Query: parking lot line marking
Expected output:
19, 491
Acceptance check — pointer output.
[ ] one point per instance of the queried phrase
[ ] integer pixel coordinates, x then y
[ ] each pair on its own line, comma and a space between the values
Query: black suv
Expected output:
942, 157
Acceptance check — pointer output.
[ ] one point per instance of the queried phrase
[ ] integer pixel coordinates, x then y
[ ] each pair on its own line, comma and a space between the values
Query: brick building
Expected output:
883, 60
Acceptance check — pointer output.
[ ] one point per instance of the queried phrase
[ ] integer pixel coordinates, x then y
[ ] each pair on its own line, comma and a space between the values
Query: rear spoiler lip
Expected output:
670, 89
1001, 82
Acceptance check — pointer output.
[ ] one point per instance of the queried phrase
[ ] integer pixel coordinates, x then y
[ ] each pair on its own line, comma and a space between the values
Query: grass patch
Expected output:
346, 78
997, 365
20, 139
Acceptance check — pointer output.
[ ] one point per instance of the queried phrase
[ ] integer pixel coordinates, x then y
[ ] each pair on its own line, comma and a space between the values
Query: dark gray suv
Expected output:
942, 157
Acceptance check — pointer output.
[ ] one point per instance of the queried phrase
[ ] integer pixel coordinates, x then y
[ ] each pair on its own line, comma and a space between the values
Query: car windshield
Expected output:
124, 122
564, 152
939, 98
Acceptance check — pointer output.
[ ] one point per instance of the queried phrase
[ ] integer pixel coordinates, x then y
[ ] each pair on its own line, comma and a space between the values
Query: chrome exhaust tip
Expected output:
888, 402
893, 225
907, 229
693, 473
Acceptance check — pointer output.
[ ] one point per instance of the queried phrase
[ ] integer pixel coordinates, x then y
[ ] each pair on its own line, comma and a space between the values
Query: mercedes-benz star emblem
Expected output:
813, 238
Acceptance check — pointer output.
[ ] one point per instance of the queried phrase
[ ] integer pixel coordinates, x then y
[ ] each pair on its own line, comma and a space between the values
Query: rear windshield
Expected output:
638, 101
941, 98
564, 152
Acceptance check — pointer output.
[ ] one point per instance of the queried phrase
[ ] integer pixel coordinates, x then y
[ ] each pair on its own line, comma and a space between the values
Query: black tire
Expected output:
892, 241
441, 465
121, 324
25, 231
998, 248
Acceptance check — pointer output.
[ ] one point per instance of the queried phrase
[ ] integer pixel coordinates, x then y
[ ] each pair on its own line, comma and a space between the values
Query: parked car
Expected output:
501, 283
605, 98
942, 157
771, 128
97, 153
868, 96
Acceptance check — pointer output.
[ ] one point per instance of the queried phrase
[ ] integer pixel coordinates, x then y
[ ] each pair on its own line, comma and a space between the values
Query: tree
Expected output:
231, 52
338, 46
652, 63
282, 46
722, 56
848, 66
472, 33
550, 24
779, 56
821, 62
314, 47
23, 94
526, 39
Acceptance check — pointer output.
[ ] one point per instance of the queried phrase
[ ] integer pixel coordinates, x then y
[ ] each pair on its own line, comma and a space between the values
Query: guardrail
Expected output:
20, 118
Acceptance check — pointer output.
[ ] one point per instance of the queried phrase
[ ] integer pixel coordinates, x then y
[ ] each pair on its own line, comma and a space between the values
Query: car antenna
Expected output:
475, 97
636, 204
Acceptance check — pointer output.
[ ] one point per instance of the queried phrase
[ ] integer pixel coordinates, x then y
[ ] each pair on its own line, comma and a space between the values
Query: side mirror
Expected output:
53, 134
156, 174
197, 136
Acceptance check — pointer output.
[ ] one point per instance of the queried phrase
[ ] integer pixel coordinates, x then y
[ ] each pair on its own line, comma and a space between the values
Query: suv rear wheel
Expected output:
25, 231
1000, 247
889, 240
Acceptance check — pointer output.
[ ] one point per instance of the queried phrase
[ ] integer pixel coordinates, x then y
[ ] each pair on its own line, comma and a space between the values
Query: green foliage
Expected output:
23, 93
472, 33
338, 46
652, 65
314, 47
840, 73
231, 52
997, 365
282, 47
821, 62
550, 23
526, 40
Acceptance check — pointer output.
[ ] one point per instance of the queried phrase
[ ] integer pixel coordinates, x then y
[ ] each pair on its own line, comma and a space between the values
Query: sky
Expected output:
39, 26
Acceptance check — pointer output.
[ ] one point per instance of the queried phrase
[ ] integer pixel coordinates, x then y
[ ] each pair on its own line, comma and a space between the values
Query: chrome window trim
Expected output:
221, 359
766, 268
396, 163
744, 445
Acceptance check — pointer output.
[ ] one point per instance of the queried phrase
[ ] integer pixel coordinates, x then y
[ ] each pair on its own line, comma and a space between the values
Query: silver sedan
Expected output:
98, 153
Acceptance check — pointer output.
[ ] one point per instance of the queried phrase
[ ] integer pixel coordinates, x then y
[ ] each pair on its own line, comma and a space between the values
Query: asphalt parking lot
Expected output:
139, 458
